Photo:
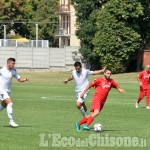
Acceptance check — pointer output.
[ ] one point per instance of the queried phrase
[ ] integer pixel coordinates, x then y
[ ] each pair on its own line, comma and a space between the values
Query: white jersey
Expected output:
6, 78
81, 79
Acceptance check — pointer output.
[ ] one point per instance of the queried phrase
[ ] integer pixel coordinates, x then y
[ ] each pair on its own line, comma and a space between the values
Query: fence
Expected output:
41, 59
24, 43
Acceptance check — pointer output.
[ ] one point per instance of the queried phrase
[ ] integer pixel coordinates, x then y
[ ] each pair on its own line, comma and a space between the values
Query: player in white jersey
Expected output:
6, 75
80, 76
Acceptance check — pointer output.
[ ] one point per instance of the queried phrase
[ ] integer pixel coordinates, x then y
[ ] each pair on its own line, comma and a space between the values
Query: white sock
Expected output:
1, 107
9, 111
86, 113
83, 111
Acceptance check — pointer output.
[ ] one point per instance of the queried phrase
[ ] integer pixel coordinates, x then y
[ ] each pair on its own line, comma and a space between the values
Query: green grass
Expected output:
56, 113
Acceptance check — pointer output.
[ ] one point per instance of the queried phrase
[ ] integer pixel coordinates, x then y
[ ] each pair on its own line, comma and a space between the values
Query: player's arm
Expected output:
69, 79
23, 79
93, 84
98, 71
139, 77
115, 85
87, 88
120, 90
19, 78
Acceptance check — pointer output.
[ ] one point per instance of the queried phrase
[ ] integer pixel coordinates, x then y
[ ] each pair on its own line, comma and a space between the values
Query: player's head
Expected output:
78, 66
107, 73
147, 68
11, 63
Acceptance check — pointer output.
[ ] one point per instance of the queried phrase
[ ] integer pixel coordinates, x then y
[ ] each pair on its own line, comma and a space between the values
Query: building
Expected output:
67, 25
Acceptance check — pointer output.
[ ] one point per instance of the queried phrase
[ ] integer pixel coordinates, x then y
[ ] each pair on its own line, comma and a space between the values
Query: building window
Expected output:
64, 22
63, 2
68, 24
68, 42
64, 44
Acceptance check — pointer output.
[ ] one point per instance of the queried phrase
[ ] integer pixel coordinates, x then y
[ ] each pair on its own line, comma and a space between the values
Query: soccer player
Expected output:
6, 75
80, 76
144, 81
102, 87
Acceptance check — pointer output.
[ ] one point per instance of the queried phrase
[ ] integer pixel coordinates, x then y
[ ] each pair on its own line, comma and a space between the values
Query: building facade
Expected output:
67, 25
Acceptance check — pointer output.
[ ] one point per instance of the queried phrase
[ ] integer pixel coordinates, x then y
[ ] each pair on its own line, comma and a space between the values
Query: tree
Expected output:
22, 15
47, 20
86, 12
144, 22
15, 14
118, 38
112, 32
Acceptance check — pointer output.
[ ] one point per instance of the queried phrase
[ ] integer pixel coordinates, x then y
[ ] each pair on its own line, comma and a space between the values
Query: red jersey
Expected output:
102, 87
144, 76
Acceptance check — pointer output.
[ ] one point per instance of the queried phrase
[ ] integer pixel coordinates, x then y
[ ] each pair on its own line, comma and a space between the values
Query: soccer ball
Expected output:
98, 127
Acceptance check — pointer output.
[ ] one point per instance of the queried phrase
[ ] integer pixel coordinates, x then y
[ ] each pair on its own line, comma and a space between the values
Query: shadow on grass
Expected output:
145, 108
92, 129
21, 126
114, 130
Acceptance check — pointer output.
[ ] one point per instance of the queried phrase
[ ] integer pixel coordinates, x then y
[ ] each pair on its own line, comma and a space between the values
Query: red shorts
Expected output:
144, 92
148, 90
97, 103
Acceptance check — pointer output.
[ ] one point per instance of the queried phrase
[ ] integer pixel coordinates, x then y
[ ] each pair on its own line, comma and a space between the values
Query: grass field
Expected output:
46, 106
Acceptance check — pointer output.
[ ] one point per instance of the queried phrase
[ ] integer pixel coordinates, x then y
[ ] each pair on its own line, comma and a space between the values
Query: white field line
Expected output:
71, 99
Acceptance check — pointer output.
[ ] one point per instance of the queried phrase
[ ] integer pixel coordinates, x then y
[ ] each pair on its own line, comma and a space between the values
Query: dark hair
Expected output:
76, 64
107, 69
11, 59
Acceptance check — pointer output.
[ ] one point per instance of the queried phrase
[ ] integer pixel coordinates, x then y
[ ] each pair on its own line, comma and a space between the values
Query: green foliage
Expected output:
144, 22
86, 11
21, 16
112, 31
48, 20
19, 11
117, 40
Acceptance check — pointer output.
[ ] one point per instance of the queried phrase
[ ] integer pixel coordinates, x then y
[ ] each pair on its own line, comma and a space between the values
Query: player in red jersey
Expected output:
144, 80
102, 87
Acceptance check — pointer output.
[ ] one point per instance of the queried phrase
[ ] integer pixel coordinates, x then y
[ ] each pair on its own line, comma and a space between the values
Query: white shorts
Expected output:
79, 99
4, 95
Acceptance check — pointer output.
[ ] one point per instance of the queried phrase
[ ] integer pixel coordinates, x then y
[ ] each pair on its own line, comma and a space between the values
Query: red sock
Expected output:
90, 120
139, 99
82, 121
141, 95
147, 101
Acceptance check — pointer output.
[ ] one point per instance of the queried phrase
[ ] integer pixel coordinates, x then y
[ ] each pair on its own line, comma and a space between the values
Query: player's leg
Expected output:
82, 121
80, 104
95, 109
83, 104
89, 119
147, 99
97, 106
2, 105
9, 103
141, 96
147, 102
85, 108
